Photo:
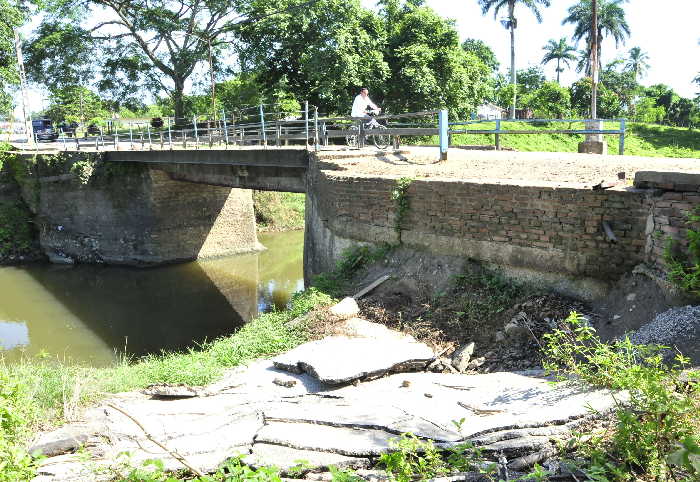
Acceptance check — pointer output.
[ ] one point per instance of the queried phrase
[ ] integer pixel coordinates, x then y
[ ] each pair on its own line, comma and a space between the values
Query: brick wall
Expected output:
674, 196
543, 228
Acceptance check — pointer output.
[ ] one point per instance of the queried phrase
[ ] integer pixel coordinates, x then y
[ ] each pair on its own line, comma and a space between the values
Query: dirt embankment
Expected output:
449, 304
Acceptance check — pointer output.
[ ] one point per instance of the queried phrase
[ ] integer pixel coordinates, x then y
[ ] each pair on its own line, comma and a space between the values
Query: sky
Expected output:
668, 32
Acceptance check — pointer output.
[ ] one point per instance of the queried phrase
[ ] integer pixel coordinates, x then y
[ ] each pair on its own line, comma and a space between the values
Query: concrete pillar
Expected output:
594, 143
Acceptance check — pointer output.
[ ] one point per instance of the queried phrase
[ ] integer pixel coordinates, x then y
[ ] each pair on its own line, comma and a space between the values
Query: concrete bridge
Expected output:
524, 212
273, 169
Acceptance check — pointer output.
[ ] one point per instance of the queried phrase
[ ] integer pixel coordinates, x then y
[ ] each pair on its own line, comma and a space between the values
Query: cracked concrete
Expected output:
248, 414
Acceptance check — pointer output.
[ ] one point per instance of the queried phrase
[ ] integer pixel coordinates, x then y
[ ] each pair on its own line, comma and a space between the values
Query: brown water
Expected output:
89, 313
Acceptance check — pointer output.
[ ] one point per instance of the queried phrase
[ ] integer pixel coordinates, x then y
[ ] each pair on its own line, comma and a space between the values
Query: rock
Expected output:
357, 327
285, 382
337, 360
476, 363
59, 258
345, 309
405, 384
461, 357
285, 458
165, 390
631, 297
59, 447
514, 330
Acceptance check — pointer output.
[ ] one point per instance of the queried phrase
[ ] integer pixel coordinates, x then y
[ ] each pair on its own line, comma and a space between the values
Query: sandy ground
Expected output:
495, 166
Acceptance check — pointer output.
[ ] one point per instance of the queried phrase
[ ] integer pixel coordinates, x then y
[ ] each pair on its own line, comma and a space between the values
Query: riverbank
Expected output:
278, 211
446, 316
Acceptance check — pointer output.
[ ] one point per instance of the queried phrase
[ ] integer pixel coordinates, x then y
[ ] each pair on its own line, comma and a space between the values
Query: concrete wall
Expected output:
132, 213
544, 233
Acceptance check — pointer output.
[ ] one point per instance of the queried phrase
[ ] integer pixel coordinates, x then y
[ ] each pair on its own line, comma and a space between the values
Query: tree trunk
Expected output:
558, 70
178, 96
595, 45
513, 78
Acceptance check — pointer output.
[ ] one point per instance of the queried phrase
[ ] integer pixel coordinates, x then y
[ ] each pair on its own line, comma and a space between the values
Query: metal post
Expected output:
97, 143
223, 117
315, 128
306, 121
161, 140
262, 123
150, 141
116, 140
622, 137
131, 136
361, 131
170, 135
77, 143
63, 138
498, 136
196, 134
278, 133
443, 129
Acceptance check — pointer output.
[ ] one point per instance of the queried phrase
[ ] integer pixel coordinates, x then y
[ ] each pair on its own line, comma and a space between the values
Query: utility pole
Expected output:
23, 87
594, 60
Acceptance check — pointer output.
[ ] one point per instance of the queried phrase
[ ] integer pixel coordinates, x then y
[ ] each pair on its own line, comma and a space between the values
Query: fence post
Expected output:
150, 141
116, 140
196, 134
262, 124
316, 128
223, 117
622, 137
278, 133
443, 120
498, 136
131, 136
306, 122
170, 136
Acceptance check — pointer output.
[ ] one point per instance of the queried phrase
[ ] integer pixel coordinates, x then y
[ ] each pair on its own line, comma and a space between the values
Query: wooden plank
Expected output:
371, 286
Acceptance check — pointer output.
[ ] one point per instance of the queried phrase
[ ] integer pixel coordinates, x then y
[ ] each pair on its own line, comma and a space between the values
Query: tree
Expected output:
637, 62
551, 100
483, 52
75, 104
530, 79
154, 44
511, 23
560, 51
322, 53
622, 83
12, 16
428, 69
609, 105
611, 22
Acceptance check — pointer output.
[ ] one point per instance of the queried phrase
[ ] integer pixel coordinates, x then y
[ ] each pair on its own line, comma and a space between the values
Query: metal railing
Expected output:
498, 131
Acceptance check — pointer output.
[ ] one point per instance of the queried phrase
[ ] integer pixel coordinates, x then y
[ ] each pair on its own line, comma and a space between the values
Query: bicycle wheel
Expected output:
381, 141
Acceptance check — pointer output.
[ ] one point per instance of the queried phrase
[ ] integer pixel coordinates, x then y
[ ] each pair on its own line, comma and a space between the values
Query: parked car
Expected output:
68, 129
92, 129
44, 130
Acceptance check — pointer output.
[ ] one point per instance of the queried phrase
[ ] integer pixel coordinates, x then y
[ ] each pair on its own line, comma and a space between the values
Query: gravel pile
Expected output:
677, 327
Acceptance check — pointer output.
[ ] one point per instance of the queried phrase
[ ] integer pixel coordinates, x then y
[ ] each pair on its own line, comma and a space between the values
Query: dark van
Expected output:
43, 130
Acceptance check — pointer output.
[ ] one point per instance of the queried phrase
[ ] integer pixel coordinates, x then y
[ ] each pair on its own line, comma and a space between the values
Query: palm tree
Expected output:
637, 62
611, 22
560, 51
511, 23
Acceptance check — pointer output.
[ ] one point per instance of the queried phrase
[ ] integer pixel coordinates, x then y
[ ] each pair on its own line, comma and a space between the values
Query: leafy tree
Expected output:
483, 52
12, 16
609, 105
530, 79
511, 23
558, 50
611, 22
550, 101
154, 44
637, 63
75, 104
428, 69
322, 53
622, 83
646, 110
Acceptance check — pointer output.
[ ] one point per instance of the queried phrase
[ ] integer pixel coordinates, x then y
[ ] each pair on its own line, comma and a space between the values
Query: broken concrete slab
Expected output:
347, 308
286, 457
352, 442
337, 360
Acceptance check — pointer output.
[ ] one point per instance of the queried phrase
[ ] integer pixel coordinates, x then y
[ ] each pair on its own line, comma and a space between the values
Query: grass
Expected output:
640, 140
279, 211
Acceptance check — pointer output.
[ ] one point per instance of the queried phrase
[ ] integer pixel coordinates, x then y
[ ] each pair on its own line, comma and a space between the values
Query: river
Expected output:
92, 314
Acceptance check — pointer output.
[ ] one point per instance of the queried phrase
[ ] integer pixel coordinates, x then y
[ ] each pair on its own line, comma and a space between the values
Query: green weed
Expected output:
279, 211
402, 202
351, 261
684, 267
661, 409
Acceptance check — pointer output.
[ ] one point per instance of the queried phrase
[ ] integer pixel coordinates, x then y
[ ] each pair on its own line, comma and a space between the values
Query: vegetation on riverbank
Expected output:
640, 140
278, 211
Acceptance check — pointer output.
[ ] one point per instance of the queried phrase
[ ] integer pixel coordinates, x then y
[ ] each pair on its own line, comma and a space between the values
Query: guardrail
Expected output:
258, 126
498, 132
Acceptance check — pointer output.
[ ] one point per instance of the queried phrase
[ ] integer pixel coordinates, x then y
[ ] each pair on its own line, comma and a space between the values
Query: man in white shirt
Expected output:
362, 101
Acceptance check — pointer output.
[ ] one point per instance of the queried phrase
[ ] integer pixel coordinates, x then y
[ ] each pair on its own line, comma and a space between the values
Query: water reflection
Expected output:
86, 313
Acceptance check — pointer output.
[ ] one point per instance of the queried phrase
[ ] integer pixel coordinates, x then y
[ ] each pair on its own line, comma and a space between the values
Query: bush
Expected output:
661, 410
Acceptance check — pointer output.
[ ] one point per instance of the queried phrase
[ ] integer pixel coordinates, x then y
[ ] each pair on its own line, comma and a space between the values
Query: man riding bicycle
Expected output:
361, 104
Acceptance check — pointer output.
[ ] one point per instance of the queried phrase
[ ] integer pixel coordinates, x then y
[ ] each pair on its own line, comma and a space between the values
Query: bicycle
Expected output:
380, 141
